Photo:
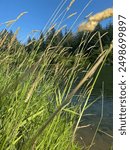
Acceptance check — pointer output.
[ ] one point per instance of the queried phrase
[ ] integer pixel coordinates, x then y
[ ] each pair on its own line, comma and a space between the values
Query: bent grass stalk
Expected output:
69, 97
102, 60
94, 20
31, 92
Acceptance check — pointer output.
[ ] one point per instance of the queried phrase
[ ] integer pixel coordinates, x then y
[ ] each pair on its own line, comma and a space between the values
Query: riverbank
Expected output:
101, 142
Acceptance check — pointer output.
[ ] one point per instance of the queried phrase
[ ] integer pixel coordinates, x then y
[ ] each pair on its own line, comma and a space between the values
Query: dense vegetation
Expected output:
69, 40
36, 79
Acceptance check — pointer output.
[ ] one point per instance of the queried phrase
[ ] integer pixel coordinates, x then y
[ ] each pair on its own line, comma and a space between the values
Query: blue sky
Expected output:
39, 12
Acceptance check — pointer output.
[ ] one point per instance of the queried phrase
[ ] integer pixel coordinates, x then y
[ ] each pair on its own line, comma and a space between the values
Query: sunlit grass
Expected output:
36, 90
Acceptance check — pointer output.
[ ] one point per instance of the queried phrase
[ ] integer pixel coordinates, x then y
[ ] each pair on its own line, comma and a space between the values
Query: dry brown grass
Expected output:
94, 20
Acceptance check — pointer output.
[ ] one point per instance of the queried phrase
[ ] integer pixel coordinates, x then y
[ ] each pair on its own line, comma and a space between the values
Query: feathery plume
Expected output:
71, 15
71, 3
94, 20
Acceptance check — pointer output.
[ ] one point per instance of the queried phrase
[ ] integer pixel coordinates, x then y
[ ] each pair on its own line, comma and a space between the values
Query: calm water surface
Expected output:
92, 115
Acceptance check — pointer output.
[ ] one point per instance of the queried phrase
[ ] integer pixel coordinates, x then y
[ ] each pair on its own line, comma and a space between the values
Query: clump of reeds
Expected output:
35, 97
94, 20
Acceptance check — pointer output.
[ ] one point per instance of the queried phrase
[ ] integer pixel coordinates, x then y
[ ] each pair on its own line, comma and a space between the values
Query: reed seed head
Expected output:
94, 20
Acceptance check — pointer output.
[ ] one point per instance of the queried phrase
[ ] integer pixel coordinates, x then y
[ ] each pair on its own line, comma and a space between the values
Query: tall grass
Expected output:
35, 95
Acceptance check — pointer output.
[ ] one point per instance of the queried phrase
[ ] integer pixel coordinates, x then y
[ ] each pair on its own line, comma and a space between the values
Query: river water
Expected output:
103, 139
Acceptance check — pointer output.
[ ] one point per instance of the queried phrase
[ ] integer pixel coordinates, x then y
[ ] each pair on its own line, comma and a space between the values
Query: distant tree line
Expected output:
86, 42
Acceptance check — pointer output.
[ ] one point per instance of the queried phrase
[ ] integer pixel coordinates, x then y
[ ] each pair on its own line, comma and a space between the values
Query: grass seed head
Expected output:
94, 20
